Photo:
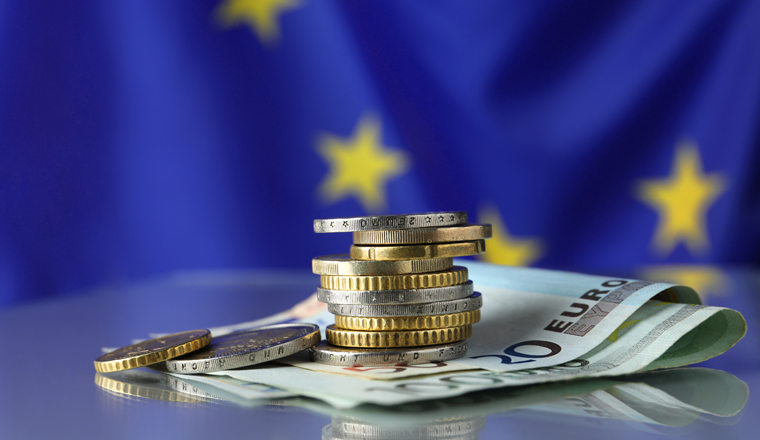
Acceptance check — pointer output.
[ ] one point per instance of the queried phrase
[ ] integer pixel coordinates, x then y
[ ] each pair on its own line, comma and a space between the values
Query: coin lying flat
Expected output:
457, 275
405, 221
418, 251
342, 264
448, 234
152, 351
407, 322
248, 347
358, 357
473, 302
407, 296
413, 338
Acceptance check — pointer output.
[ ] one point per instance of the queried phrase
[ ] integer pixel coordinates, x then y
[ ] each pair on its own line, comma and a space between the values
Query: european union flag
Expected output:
140, 137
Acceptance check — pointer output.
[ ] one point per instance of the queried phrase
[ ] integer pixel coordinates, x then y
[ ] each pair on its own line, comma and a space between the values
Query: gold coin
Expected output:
414, 338
457, 275
407, 322
152, 351
342, 264
448, 234
418, 251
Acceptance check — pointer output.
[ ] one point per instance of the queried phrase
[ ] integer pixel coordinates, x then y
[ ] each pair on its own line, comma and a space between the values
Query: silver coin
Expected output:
350, 428
407, 296
342, 264
473, 302
405, 221
325, 353
247, 347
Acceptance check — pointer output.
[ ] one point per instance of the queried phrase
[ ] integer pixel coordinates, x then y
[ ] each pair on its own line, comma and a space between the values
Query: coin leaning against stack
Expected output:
397, 297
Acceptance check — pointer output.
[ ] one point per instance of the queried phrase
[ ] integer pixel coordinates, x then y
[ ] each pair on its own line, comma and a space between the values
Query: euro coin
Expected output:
457, 275
412, 338
404, 221
407, 322
418, 251
247, 347
407, 296
424, 235
342, 264
360, 357
473, 302
152, 351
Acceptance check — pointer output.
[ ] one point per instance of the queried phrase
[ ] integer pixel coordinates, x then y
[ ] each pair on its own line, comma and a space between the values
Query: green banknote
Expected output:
537, 326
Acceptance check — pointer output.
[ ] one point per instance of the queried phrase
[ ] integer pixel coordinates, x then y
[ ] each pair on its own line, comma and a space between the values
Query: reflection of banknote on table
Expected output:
671, 398
537, 326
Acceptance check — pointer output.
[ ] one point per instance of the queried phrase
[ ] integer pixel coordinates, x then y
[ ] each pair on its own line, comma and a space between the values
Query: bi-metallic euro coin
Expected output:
343, 264
152, 351
412, 338
248, 347
407, 322
359, 357
457, 275
407, 296
418, 251
448, 234
404, 221
394, 310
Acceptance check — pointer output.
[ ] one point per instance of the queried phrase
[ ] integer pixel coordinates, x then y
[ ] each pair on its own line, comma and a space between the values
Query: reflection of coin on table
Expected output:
461, 428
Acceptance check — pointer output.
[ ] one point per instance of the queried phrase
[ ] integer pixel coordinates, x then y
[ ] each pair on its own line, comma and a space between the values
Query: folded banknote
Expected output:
537, 326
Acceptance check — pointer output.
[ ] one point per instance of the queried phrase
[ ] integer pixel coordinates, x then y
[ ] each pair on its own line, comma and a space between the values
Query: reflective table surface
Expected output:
51, 390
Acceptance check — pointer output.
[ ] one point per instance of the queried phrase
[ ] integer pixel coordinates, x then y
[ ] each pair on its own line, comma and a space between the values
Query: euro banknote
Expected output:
537, 326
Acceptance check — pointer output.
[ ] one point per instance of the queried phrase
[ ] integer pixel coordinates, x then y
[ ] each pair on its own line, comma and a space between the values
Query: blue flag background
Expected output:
139, 138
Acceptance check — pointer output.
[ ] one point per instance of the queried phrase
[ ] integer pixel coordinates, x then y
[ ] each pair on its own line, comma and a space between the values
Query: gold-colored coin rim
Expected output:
417, 251
412, 338
342, 264
457, 275
130, 362
407, 322
448, 234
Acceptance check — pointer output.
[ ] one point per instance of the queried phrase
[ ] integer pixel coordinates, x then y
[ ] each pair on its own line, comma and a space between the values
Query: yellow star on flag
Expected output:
706, 280
360, 166
505, 249
260, 15
682, 201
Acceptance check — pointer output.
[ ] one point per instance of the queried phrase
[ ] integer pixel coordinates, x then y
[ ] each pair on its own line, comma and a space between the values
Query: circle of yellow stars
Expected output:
361, 166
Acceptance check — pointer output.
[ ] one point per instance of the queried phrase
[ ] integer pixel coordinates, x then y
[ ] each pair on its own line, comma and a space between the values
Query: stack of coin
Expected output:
397, 296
